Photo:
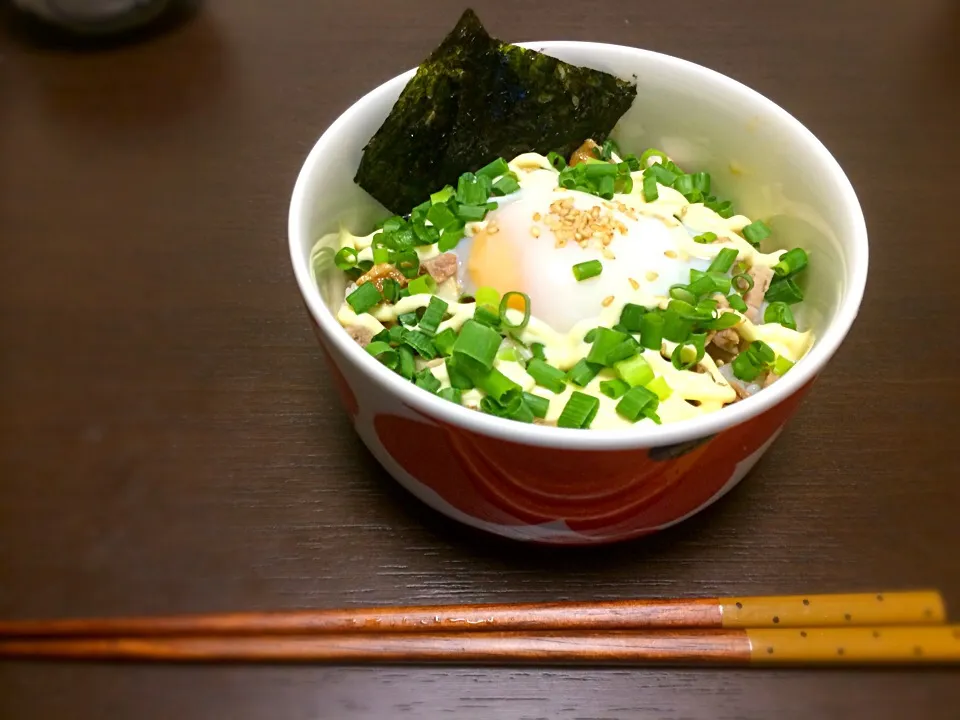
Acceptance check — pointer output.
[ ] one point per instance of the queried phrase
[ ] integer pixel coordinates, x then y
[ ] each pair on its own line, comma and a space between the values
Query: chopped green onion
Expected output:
625, 349
599, 170
632, 161
487, 296
407, 365
742, 282
606, 187
504, 306
650, 192
444, 341
471, 190
703, 285
683, 184
609, 149
522, 413
631, 315
391, 290
636, 403
433, 315
478, 343
452, 394
682, 293
782, 365
441, 196
471, 213
441, 216
705, 238
634, 371
579, 411
583, 372
744, 367
494, 169
506, 185
756, 231
785, 290
381, 255
408, 263
364, 265
675, 328
723, 209
791, 262
420, 343
486, 315
591, 335
556, 160
624, 183
364, 298
538, 405
450, 237
586, 270
651, 330
458, 379
384, 353
652, 153
613, 388
659, 386
546, 375
737, 302
723, 261
507, 353
426, 234
392, 224
427, 380
396, 334
724, 321
409, 319
345, 258
677, 356
661, 174
762, 353
779, 312
701, 182
423, 285
684, 310
497, 385
604, 340
537, 350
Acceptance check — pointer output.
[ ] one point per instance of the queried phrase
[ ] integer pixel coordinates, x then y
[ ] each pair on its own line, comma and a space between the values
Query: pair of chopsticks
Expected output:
866, 628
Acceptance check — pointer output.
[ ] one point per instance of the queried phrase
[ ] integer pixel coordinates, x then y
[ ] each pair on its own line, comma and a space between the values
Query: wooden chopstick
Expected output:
863, 609
814, 646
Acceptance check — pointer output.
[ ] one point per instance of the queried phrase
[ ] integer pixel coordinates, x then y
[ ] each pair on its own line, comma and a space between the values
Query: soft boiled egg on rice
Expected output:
535, 236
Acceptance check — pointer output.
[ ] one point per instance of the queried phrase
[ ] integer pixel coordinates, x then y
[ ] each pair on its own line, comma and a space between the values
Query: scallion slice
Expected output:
407, 365
631, 315
782, 365
651, 330
634, 371
364, 298
701, 182
441, 196
705, 238
427, 380
538, 405
742, 282
785, 290
583, 372
683, 293
471, 213
407, 262
675, 328
450, 237
458, 378
433, 316
613, 388
604, 340
579, 411
723, 261
494, 169
636, 403
546, 375
444, 341
440, 216
659, 386
756, 231
651, 153
384, 353
556, 160
391, 290
586, 270
478, 343
487, 296
497, 385
791, 262
423, 285
505, 305
487, 315
506, 185
345, 258
650, 191
452, 394
779, 312
598, 170
420, 343
737, 303
537, 350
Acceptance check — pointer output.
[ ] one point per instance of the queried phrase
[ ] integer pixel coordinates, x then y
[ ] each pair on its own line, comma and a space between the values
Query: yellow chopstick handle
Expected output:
931, 644
888, 608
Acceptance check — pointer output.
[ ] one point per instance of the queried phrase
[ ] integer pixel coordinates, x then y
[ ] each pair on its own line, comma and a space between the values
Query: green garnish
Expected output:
364, 298
637, 403
785, 290
407, 363
755, 232
634, 371
583, 372
651, 331
586, 270
433, 316
791, 262
384, 353
420, 343
546, 375
444, 341
723, 261
613, 388
423, 285
478, 343
579, 411
538, 405
454, 395
504, 306
345, 258
426, 380
659, 386
779, 312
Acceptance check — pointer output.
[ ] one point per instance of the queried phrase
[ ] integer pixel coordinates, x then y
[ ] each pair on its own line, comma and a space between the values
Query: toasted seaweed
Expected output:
476, 99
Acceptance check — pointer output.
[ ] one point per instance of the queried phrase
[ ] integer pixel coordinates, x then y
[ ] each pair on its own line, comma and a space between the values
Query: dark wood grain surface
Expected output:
169, 441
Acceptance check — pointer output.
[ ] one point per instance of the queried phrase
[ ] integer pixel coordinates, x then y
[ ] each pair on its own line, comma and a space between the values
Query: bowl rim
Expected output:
591, 440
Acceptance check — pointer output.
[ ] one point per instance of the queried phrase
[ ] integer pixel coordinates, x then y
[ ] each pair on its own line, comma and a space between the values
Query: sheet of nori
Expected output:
476, 99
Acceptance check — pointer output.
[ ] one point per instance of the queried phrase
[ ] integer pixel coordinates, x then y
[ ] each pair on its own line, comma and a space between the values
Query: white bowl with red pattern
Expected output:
578, 487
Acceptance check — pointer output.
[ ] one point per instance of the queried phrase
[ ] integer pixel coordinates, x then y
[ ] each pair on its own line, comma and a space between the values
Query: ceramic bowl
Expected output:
578, 487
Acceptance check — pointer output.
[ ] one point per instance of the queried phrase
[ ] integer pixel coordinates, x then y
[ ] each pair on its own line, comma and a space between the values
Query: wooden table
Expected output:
169, 440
